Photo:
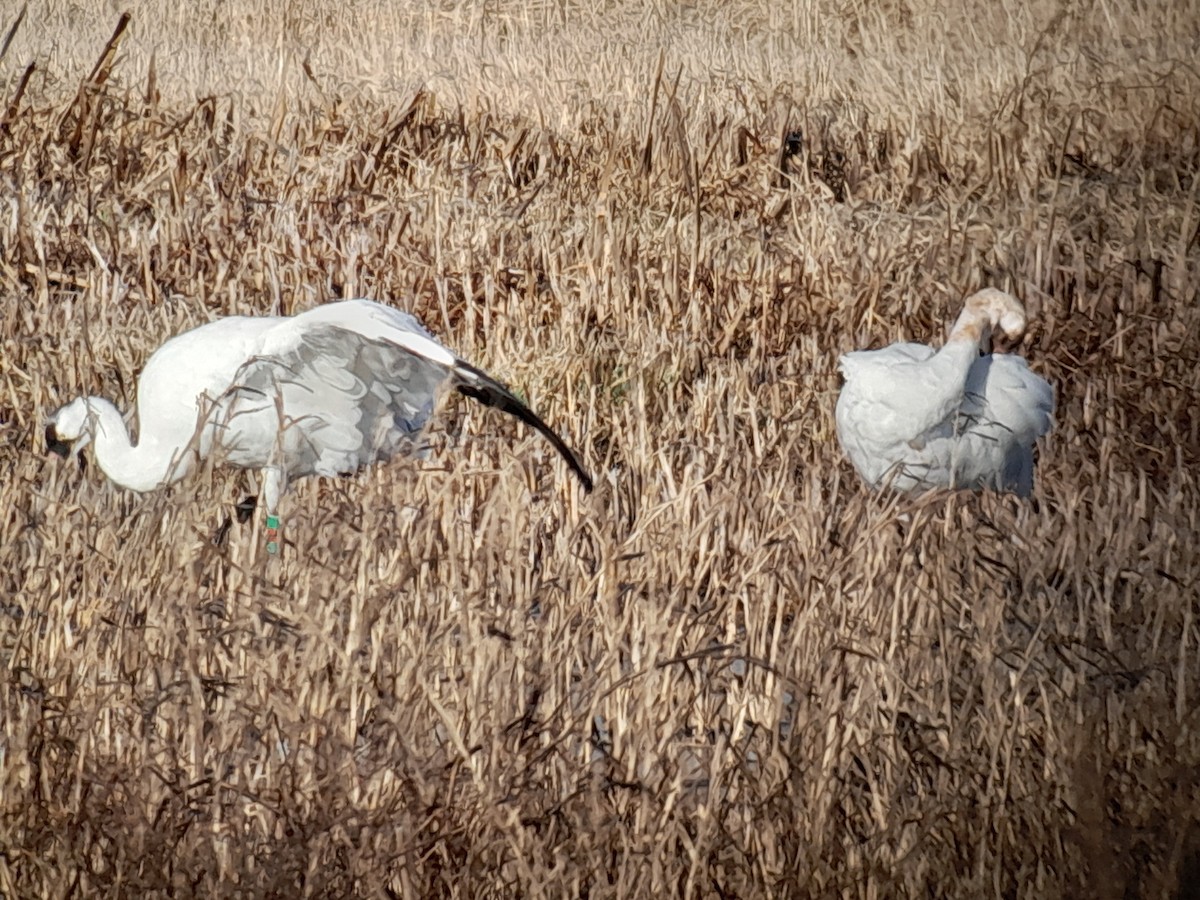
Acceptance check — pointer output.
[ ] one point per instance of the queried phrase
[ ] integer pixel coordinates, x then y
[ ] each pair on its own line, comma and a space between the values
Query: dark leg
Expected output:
222, 533
246, 508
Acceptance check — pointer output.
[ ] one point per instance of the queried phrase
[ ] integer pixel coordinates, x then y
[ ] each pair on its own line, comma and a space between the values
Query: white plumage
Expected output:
325, 392
910, 417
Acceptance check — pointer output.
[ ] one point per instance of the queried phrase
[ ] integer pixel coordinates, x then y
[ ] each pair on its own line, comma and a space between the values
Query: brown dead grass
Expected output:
728, 672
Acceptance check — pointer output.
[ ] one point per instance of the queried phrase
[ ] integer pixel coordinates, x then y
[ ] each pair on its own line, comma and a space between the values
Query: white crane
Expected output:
910, 417
325, 392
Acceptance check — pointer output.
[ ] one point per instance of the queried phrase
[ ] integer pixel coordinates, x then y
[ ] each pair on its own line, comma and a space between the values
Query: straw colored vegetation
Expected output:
729, 671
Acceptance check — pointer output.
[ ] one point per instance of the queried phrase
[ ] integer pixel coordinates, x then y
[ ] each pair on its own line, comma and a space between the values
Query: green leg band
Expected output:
272, 534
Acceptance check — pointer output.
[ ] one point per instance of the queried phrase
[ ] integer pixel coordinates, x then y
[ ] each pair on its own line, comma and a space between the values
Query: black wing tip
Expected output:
481, 387
585, 480
577, 467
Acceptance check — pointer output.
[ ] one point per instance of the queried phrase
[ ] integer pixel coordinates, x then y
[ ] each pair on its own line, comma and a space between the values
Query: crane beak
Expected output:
54, 445
59, 447
1006, 342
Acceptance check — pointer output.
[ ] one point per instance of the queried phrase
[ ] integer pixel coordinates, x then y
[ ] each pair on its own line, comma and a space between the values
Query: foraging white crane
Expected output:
325, 392
911, 417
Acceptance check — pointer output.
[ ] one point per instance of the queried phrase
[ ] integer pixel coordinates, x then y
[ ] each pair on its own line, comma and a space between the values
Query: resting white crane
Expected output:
910, 417
325, 392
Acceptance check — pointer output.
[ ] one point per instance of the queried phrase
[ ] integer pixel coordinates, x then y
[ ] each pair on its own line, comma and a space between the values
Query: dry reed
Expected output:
730, 671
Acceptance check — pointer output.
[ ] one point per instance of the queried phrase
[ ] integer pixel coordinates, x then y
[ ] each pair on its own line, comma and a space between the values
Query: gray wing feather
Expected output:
989, 444
332, 403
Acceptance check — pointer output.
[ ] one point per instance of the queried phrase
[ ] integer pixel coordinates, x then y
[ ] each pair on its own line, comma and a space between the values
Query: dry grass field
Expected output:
730, 671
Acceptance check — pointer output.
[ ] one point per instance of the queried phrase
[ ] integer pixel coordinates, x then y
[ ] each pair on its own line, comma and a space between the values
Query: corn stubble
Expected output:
730, 671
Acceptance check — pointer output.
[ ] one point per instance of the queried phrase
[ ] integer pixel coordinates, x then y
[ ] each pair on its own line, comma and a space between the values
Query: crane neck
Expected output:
139, 467
971, 329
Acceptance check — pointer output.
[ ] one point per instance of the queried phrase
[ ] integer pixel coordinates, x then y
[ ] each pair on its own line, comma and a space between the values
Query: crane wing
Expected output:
330, 400
1006, 408
330, 403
